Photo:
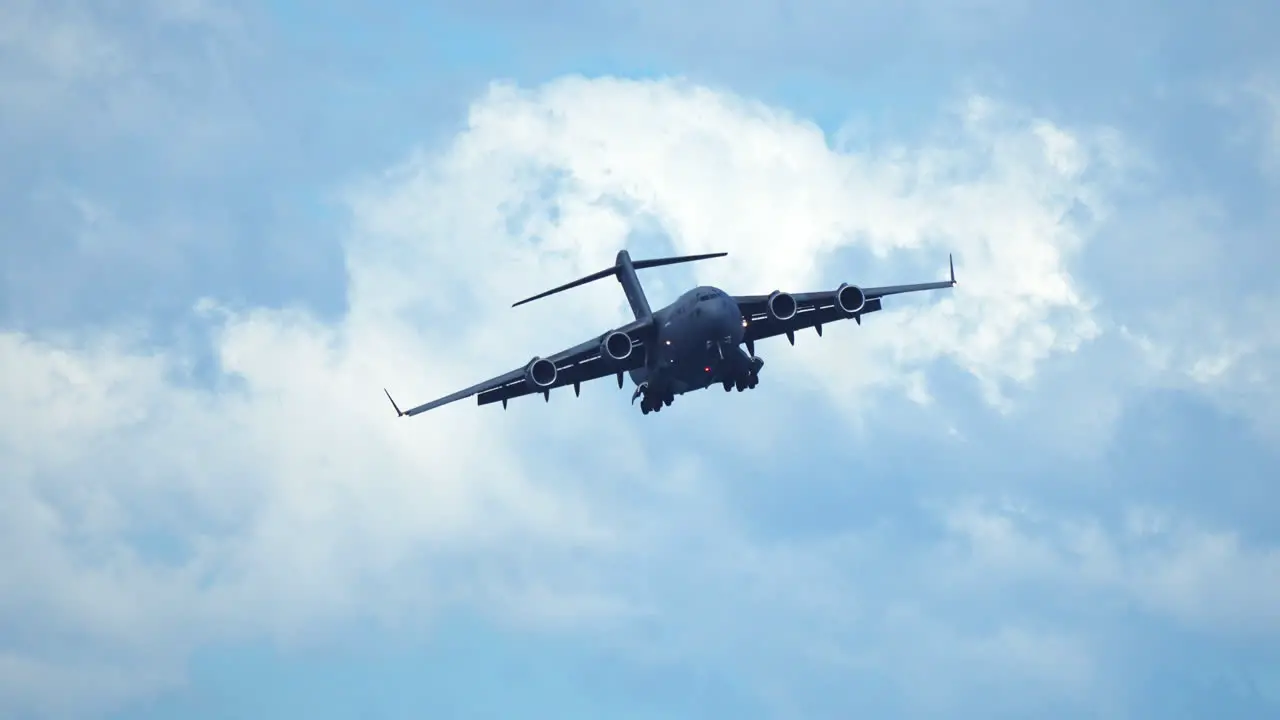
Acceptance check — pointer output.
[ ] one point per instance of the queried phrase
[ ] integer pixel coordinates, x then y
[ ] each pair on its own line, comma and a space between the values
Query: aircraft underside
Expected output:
658, 388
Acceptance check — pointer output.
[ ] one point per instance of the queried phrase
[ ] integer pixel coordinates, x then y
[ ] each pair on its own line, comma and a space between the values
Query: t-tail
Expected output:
625, 270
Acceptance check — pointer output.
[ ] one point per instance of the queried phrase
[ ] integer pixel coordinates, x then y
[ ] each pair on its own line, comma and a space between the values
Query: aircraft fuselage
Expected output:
697, 344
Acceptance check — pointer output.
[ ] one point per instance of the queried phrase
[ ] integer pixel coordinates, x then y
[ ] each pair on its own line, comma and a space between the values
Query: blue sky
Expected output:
1047, 493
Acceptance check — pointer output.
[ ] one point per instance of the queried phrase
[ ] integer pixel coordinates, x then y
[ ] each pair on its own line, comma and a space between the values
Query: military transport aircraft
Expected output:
688, 345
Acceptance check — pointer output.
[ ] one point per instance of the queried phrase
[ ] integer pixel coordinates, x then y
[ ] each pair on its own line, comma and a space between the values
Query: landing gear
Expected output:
748, 380
743, 382
650, 401
744, 374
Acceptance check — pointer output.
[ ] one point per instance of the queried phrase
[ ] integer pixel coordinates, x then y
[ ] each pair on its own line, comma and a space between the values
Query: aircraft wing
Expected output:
574, 366
815, 309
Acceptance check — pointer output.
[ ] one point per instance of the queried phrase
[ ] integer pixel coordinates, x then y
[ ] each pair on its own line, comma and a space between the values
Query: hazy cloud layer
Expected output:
1042, 493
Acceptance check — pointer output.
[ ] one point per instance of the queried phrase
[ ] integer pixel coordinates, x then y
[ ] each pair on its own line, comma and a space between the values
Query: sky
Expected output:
1049, 492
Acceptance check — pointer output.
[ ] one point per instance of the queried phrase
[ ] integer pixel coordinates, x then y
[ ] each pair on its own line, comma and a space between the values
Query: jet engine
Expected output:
850, 299
782, 306
615, 346
540, 374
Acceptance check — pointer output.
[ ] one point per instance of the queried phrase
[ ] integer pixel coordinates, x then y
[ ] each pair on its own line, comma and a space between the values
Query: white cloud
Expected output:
1225, 351
1203, 578
145, 515
720, 173
73, 73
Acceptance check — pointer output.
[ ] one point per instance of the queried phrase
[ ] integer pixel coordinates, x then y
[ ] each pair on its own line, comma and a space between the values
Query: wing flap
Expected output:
578, 364
753, 306
514, 375
577, 373
915, 287
763, 326
818, 308
880, 292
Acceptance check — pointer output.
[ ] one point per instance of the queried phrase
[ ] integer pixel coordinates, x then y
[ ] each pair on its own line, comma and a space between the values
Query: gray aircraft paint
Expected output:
694, 342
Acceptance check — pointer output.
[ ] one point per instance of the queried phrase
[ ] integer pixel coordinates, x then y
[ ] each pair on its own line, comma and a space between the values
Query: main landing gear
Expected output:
649, 405
748, 380
651, 401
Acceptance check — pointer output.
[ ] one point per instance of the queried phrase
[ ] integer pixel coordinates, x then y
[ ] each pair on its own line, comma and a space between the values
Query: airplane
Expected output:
691, 344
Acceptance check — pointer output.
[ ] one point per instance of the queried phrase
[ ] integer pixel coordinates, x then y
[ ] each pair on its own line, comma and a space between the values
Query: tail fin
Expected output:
625, 270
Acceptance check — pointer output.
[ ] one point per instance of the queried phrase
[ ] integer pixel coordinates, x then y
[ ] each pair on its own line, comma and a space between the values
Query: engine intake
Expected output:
616, 346
540, 373
782, 306
850, 299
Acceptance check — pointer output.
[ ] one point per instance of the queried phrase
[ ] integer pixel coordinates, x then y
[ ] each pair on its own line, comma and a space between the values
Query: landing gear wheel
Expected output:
647, 405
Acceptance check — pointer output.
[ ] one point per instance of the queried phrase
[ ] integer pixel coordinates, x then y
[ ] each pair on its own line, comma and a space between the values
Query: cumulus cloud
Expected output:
1206, 579
716, 172
73, 75
147, 513
1228, 353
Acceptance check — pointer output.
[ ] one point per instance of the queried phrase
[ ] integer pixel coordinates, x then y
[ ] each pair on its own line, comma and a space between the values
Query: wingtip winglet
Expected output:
952, 263
393, 403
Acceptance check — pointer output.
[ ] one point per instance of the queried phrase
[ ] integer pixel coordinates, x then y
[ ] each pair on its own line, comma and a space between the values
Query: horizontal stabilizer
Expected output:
616, 271
659, 262
607, 272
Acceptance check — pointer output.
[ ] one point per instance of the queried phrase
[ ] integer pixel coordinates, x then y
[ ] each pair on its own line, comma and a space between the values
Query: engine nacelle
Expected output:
782, 306
540, 374
616, 346
850, 299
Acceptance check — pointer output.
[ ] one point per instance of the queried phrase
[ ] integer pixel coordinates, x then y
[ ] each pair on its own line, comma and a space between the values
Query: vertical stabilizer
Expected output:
630, 282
